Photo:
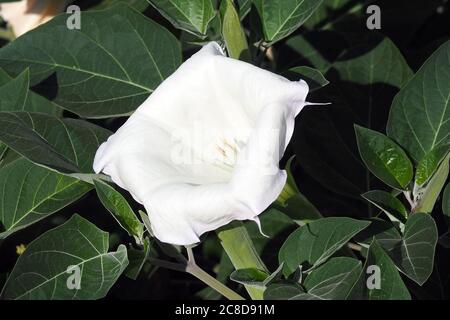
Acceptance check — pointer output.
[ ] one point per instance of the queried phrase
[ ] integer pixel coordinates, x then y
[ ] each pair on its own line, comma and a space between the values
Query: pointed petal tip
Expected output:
258, 223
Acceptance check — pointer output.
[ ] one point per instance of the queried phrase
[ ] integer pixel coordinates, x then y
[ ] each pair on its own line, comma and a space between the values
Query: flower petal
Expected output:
185, 199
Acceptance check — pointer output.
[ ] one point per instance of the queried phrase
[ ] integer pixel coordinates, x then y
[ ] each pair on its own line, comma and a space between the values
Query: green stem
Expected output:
192, 268
240, 249
202, 275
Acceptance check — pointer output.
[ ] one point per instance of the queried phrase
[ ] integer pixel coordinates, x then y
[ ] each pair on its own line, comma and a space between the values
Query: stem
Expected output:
409, 197
192, 268
206, 278
240, 249
354, 246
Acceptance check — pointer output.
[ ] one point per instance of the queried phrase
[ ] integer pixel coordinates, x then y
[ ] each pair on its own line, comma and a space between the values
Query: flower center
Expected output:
226, 152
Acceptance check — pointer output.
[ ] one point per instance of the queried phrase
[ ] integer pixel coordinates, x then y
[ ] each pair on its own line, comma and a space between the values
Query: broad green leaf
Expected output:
233, 33
15, 95
328, 11
429, 194
384, 158
331, 281
31, 193
428, 165
255, 277
388, 203
277, 226
362, 65
67, 145
391, 286
250, 277
414, 256
312, 244
383, 231
8, 156
282, 291
244, 7
43, 271
446, 201
118, 206
139, 5
300, 209
280, 19
314, 78
137, 259
275, 276
412, 252
146, 220
236, 242
107, 68
313, 49
420, 114
3, 149
190, 15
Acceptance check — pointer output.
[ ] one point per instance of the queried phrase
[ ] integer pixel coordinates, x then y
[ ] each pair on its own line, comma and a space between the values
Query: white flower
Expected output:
25, 15
204, 148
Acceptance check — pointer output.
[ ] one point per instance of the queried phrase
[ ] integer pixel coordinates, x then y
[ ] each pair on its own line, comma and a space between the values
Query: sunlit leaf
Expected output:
43, 271
96, 67
420, 118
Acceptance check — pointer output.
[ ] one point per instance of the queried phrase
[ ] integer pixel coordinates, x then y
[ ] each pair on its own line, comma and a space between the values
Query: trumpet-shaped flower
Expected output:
25, 15
204, 148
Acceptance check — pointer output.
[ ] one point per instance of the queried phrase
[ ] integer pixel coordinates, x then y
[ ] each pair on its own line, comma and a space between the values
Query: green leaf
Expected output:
250, 277
137, 260
192, 16
96, 67
67, 145
255, 277
361, 65
420, 118
139, 5
280, 19
43, 271
412, 252
31, 193
446, 201
428, 165
332, 281
300, 209
329, 10
118, 206
15, 95
414, 255
232, 32
383, 231
391, 284
3, 149
388, 203
313, 77
244, 7
429, 194
282, 291
384, 158
277, 226
312, 244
